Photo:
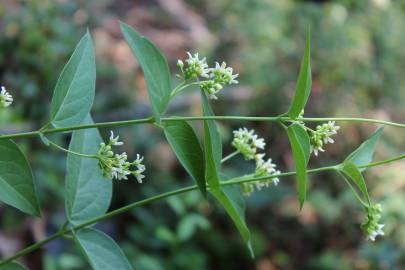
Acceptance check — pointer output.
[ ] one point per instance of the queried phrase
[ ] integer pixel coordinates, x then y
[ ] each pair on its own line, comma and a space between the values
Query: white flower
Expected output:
196, 67
5, 98
322, 135
371, 225
263, 169
117, 166
276, 180
114, 141
223, 74
378, 231
140, 168
211, 88
316, 150
258, 142
180, 64
247, 142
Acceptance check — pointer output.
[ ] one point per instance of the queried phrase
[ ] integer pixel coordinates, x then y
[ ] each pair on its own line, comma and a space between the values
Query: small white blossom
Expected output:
223, 74
217, 77
263, 169
247, 142
180, 64
117, 166
258, 142
276, 180
211, 87
5, 98
196, 67
322, 135
371, 225
376, 232
114, 141
140, 168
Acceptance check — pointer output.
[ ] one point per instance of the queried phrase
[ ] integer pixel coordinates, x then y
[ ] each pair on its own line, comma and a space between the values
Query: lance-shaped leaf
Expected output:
350, 169
212, 147
12, 266
74, 92
231, 199
155, 69
16, 180
88, 193
101, 250
300, 145
185, 144
364, 154
304, 82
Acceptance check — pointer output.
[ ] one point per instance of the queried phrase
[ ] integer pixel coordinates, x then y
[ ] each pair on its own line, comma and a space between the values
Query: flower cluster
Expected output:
371, 226
247, 143
5, 98
263, 168
217, 77
195, 68
322, 135
116, 165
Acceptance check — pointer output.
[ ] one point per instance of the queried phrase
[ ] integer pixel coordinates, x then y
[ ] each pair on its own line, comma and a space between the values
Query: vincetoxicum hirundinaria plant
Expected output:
92, 164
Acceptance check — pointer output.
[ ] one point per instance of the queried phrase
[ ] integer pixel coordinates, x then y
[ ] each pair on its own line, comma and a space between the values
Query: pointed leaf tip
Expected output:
75, 89
304, 81
155, 69
364, 153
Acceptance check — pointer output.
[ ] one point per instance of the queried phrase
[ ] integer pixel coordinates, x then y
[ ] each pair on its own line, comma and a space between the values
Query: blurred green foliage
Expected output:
357, 60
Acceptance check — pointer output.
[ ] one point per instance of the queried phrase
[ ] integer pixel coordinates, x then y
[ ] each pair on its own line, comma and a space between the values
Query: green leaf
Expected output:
12, 266
88, 193
155, 69
351, 170
16, 180
232, 200
101, 250
74, 92
185, 144
304, 82
212, 147
364, 154
300, 145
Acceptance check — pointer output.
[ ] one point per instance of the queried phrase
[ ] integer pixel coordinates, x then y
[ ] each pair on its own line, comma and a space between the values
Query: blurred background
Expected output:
358, 62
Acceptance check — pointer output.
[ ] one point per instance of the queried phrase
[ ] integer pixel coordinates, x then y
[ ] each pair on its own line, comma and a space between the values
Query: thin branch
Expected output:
150, 120
129, 207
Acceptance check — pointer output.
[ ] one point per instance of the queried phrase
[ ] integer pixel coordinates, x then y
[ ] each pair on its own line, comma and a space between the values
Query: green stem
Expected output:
150, 120
385, 161
356, 195
174, 91
71, 152
126, 208
182, 87
228, 157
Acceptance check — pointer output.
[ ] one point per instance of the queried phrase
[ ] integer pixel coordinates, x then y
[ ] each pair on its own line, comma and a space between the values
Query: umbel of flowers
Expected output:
248, 143
321, 135
116, 166
213, 79
371, 226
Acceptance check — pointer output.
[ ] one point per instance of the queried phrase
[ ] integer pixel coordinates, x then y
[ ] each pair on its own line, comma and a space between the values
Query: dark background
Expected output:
358, 63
